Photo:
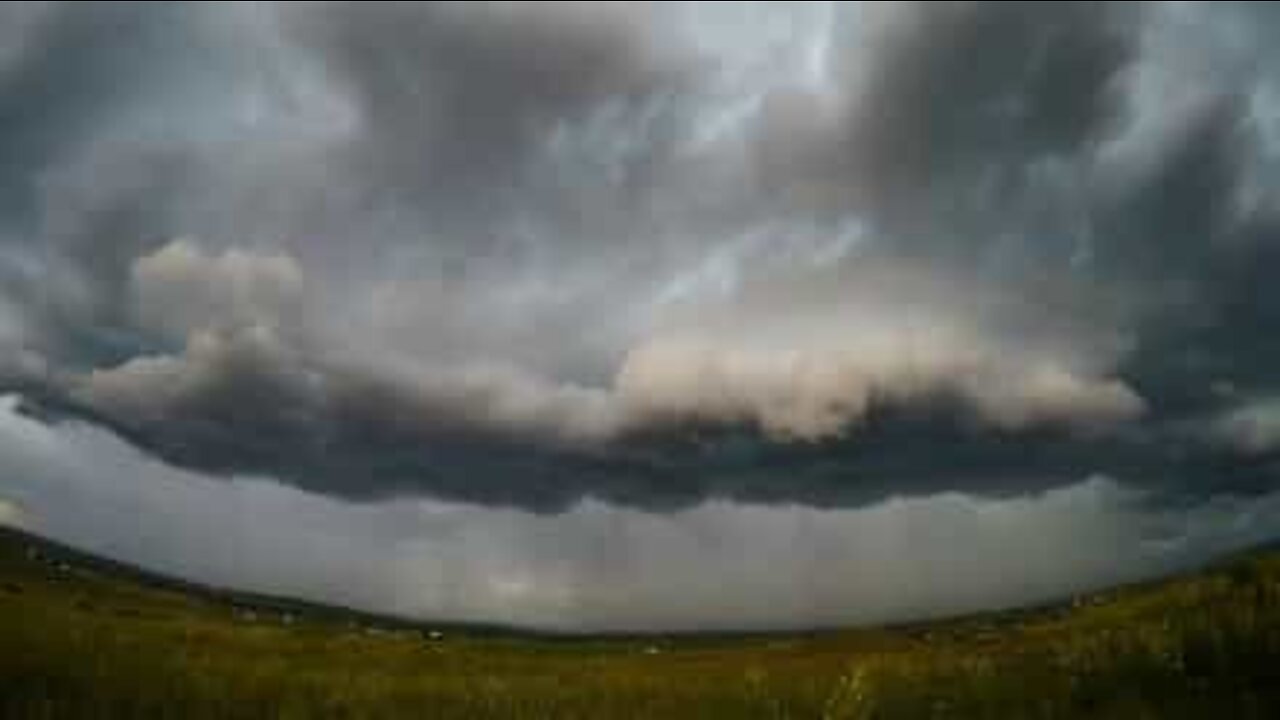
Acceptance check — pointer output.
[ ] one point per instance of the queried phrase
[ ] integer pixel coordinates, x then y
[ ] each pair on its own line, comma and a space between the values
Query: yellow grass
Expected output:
76, 643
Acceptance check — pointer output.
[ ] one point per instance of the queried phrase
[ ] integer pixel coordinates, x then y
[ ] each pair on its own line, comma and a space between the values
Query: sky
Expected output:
640, 316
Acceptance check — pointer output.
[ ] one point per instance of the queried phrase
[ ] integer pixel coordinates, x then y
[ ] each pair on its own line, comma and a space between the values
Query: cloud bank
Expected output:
598, 567
651, 258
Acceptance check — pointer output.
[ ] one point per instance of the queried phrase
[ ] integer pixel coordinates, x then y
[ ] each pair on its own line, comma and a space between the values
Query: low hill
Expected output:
85, 637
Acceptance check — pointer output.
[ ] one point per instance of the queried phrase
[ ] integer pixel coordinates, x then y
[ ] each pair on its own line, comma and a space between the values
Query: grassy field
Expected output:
77, 641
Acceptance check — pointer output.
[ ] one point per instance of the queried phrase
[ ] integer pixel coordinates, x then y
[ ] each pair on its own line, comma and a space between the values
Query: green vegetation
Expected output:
77, 643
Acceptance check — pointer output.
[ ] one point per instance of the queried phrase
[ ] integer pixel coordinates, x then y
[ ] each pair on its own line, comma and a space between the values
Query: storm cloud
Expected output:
603, 568
651, 257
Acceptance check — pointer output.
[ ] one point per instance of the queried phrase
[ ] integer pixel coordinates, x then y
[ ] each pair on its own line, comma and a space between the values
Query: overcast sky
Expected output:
642, 315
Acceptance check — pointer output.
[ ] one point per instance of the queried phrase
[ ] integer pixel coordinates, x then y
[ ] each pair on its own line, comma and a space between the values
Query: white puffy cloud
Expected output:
180, 289
1252, 428
794, 392
810, 375
163, 388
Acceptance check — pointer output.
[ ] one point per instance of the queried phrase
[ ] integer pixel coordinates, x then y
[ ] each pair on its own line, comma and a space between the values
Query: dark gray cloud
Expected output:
597, 567
526, 254
948, 109
454, 92
469, 118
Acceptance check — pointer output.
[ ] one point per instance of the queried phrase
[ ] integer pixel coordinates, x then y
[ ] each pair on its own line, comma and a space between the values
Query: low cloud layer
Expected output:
598, 567
655, 257
180, 291
1253, 428
253, 353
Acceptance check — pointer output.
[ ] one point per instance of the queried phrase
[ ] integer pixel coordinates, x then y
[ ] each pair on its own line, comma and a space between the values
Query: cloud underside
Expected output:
598, 567
531, 254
